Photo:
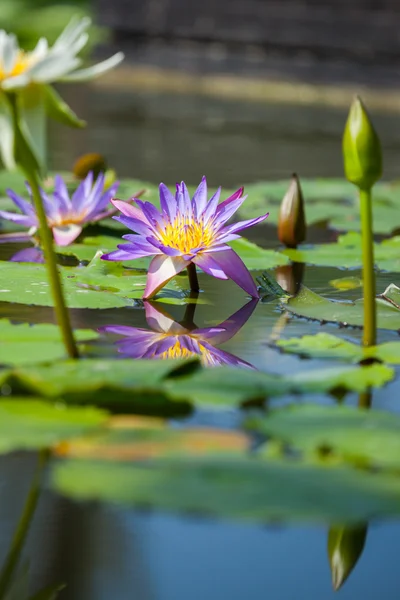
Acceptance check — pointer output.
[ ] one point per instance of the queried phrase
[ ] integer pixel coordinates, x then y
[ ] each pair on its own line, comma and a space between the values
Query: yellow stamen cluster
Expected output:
185, 234
20, 66
178, 351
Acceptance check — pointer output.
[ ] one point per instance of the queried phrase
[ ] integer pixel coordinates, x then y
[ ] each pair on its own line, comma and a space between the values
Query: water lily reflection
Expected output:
168, 338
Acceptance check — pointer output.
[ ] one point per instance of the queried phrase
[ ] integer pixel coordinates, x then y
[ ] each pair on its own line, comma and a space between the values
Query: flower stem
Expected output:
26, 161
22, 528
369, 336
46, 239
193, 281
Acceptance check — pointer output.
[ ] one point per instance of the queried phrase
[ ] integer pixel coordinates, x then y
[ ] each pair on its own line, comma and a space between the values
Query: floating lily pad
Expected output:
250, 488
101, 284
28, 344
347, 253
333, 201
315, 307
346, 283
356, 435
326, 345
149, 386
227, 386
27, 424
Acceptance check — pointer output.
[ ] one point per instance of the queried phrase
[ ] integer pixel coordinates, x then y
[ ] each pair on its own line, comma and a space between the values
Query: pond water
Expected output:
103, 552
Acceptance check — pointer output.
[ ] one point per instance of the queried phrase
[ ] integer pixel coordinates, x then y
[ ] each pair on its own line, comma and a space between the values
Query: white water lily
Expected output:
28, 75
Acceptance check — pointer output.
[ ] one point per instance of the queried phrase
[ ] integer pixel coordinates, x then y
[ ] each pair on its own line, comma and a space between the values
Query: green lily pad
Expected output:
347, 253
312, 306
334, 201
326, 345
152, 385
27, 424
357, 435
25, 344
253, 488
101, 284
228, 386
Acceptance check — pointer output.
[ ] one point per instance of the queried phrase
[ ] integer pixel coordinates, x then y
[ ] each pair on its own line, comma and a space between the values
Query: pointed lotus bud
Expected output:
362, 153
345, 546
290, 277
89, 162
292, 219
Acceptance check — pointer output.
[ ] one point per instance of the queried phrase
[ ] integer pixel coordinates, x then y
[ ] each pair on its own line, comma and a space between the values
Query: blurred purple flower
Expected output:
30, 255
185, 231
66, 216
170, 339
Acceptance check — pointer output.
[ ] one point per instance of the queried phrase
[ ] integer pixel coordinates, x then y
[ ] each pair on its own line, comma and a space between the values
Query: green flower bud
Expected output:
292, 220
362, 152
345, 546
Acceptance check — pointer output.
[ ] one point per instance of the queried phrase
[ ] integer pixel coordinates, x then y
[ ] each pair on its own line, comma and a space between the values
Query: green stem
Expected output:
193, 281
23, 525
23, 159
369, 336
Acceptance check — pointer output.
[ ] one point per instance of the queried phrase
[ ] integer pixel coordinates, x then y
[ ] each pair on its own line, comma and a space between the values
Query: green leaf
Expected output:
326, 200
228, 386
346, 253
312, 306
25, 344
99, 285
256, 258
345, 546
359, 436
251, 488
326, 345
27, 424
59, 110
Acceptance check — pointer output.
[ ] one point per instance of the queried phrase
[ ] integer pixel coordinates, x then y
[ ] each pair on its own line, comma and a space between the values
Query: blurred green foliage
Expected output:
32, 19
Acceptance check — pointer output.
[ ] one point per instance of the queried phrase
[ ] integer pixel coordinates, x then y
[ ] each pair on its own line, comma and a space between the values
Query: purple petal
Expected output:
162, 269
199, 200
121, 330
162, 345
215, 357
23, 205
128, 210
136, 225
82, 192
207, 263
223, 215
233, 266
129, 252
226, 330
30, 255
150, 212
24, 220
159, 320
100, 202
63, 236
183, 199
232, 229
211, 207
164, 249
167, 201
15, 236
62, 196
235, 196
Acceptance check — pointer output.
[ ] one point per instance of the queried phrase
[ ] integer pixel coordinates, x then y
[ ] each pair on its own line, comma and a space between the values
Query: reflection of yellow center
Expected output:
177, 351
70, 219
21, 64
186, 234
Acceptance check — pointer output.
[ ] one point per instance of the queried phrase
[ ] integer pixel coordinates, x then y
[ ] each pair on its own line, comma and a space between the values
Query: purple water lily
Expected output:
66, 216
171, 339
186, 231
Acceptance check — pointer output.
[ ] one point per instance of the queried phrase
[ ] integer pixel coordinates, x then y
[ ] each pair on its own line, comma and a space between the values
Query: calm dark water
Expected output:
104, 552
